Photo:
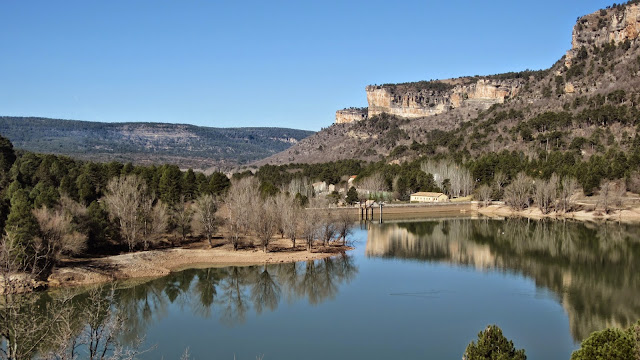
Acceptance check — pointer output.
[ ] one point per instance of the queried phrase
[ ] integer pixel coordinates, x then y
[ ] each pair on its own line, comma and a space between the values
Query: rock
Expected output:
568, 88
350, 115
617, 24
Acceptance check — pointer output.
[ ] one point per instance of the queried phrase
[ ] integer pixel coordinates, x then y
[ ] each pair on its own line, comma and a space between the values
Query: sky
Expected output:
257, 63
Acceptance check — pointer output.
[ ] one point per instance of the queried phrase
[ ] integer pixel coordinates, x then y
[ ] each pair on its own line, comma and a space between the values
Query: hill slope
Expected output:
586, 102
146, 143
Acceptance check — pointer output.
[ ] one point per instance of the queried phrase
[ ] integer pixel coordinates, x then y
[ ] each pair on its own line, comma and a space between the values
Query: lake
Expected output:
411, 289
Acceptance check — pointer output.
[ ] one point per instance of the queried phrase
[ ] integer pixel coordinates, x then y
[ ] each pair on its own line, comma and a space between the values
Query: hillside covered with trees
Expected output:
148, 143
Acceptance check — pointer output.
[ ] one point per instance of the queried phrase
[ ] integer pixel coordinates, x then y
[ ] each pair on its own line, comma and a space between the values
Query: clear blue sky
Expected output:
257, 63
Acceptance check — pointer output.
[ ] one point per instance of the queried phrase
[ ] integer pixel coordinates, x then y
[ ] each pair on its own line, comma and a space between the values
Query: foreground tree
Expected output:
610, 344
492, 345
206, 207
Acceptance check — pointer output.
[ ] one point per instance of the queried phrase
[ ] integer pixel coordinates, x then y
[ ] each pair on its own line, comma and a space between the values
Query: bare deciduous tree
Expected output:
373, 183
344, 226
545, 193
309, 228
569, 187
611, 195
56, 237
460, 179
206, 207
291, 216
182, 217
484, 194
155, 218
124, 198
264, 221
240, 199
517, 195
327, 228
499, 178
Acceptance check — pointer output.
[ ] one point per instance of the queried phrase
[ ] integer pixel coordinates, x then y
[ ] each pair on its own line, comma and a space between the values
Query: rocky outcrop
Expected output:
616, 24
412, 101
350, 115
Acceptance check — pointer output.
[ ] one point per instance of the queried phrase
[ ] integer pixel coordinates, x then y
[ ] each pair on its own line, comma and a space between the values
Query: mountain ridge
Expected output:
185, 145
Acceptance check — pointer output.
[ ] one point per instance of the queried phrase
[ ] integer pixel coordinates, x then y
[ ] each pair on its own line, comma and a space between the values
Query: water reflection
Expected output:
592, 268
32, 324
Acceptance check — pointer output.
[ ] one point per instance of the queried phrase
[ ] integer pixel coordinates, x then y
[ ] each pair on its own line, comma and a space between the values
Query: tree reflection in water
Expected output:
42, 322
592, 268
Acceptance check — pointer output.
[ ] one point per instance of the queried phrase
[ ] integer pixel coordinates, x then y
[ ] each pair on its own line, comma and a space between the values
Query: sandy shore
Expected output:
625, 215
157, 263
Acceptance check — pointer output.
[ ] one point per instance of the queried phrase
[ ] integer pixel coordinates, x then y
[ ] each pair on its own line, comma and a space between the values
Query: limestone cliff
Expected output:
350, 115
423, 99
616, 24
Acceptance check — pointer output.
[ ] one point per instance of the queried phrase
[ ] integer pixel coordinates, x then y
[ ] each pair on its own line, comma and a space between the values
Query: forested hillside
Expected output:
148, 143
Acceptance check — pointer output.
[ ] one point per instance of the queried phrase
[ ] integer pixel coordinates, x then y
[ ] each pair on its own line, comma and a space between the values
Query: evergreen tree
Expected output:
169, 189
189, 185
352, 195
492, 345
218, 183
23, 226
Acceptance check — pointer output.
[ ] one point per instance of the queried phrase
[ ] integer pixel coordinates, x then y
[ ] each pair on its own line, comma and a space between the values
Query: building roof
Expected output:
432, 194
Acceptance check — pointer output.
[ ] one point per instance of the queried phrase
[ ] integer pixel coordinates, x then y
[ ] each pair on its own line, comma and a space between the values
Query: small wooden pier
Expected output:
366, 210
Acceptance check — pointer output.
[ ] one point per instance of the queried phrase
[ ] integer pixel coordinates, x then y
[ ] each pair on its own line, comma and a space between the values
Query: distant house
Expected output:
350, 181
429, 197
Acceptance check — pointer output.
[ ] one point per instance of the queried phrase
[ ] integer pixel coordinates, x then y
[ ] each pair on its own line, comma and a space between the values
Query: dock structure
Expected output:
366, 209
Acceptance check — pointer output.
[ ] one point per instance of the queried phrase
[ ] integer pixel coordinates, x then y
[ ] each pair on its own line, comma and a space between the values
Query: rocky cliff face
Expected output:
414, 101
617, 24
350, 115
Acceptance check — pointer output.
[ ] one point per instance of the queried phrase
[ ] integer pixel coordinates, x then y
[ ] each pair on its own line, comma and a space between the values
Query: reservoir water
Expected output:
410, 289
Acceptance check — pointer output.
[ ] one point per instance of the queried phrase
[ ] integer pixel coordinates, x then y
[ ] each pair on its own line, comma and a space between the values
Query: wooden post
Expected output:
380, 213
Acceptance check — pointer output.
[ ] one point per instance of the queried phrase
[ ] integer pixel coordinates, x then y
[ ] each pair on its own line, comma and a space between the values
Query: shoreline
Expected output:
631, 215
157, 263
162, 262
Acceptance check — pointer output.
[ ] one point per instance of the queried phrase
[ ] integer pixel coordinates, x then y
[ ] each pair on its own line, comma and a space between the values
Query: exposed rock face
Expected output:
350, 115
616, 24
412, 102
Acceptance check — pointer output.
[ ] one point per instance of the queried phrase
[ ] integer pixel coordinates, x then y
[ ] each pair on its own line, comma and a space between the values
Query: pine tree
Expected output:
23, 227
492, 345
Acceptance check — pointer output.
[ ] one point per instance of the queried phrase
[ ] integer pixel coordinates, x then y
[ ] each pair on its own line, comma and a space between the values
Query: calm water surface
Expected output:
411, 290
